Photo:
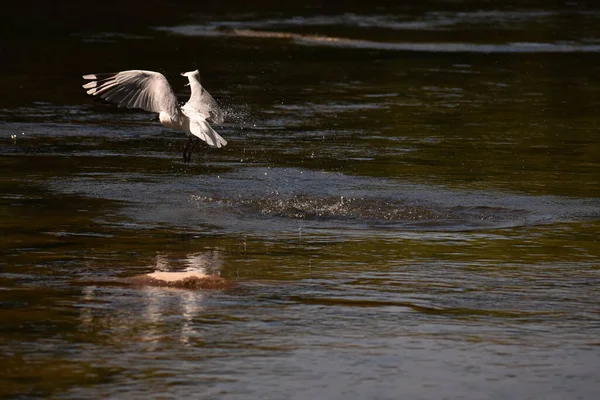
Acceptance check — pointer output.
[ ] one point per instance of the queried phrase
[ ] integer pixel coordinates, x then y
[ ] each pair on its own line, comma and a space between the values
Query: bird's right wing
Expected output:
202, 102
147, 90
208, 105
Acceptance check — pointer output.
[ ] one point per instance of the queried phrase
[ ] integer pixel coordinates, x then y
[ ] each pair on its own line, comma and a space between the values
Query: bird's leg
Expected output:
191, 146
187, 151
196, 143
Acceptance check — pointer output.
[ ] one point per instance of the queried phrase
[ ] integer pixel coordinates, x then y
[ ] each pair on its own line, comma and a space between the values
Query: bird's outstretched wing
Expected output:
201, 101
147, 90
206, 104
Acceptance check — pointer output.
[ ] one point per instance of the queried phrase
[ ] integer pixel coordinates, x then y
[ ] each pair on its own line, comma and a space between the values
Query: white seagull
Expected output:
151, 91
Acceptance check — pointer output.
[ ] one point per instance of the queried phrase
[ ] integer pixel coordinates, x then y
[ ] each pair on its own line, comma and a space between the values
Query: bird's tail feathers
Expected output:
204, 131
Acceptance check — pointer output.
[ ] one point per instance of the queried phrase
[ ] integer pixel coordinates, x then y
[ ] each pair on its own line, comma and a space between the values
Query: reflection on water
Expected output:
208, 263
155, 306
152, 322
202, 263
409, 204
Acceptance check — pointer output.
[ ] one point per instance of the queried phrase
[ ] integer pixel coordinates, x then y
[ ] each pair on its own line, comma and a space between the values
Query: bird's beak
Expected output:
183, 74
187, 84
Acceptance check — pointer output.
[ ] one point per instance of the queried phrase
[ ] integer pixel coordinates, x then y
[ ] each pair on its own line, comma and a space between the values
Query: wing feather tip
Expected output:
123, 88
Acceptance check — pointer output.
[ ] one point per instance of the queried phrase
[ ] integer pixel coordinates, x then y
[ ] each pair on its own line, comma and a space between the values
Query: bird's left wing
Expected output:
147, 90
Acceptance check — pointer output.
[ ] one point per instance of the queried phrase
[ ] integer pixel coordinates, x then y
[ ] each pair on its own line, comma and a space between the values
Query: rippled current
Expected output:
408, 205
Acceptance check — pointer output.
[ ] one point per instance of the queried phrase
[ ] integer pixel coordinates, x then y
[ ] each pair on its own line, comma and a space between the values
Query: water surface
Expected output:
408, 205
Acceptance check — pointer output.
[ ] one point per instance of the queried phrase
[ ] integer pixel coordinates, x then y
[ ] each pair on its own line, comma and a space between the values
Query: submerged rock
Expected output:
183, 280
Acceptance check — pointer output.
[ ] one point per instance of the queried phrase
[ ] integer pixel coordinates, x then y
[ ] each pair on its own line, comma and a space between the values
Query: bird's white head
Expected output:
190, 73
192, 76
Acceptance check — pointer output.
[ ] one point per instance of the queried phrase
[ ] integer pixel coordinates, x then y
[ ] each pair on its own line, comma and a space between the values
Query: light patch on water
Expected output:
269, 201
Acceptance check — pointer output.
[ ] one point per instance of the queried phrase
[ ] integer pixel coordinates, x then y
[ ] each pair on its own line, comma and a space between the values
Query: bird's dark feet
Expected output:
187, 154
190, 146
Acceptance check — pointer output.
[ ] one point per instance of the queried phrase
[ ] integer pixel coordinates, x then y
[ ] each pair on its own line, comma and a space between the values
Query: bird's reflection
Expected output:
163, 303
208, 263
162, 262
169, 314
154, 314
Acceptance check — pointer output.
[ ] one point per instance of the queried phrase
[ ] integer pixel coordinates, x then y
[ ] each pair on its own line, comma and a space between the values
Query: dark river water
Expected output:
408, 205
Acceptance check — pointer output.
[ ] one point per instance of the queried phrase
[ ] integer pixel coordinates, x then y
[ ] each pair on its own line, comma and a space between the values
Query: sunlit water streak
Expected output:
514, 47
275, 28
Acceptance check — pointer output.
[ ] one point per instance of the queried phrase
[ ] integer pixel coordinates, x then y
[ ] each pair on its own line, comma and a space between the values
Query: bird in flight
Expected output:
151, 91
